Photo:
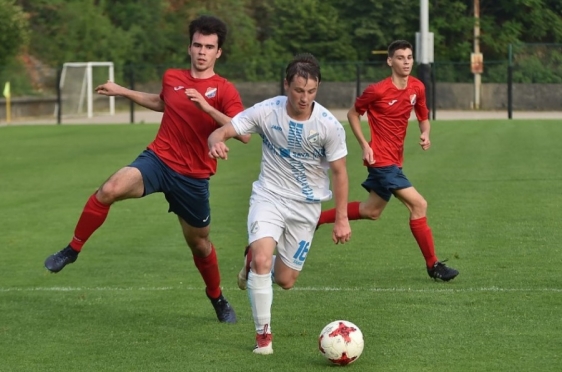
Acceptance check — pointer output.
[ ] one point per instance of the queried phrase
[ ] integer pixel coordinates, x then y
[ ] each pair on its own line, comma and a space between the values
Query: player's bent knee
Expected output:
421, 206
286, 285
124, 184
108, 193
372, 214
199, 245
262, 263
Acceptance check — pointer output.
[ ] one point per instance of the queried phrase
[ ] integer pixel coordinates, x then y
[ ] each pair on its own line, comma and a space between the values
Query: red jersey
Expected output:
388, 110
181, 142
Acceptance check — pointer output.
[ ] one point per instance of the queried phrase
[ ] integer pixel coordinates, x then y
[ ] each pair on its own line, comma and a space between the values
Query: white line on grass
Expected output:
305, 289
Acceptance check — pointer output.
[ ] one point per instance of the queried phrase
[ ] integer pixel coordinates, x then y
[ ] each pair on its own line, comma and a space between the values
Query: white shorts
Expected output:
289, 222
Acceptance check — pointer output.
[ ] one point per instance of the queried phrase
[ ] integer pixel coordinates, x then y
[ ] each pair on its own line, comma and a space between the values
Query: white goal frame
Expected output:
87, 88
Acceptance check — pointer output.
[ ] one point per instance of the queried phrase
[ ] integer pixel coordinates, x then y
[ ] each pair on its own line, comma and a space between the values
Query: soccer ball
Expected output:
341, 342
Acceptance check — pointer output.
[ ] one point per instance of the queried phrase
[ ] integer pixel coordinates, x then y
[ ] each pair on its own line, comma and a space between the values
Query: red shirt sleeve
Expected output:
231, 103
422, 113
368, 97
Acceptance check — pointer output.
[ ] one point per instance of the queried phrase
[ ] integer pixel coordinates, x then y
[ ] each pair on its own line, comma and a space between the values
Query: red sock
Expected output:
92, 217
424, 237
209, 269
329, 216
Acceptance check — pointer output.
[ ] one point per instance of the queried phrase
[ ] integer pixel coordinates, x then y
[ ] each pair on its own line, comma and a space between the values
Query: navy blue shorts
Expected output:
188, 197
384, 180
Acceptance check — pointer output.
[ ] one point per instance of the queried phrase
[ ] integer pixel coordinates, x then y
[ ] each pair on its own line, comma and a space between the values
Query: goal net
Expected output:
77, 83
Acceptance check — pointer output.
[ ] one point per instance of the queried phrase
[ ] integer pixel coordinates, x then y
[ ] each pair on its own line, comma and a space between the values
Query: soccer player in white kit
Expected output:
301, 141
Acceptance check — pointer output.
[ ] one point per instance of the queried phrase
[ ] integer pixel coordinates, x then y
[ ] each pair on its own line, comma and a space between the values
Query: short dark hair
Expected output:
397, 45
304, 65
208, 25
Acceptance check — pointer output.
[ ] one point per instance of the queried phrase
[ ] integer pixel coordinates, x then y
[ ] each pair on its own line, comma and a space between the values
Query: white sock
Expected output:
260, 292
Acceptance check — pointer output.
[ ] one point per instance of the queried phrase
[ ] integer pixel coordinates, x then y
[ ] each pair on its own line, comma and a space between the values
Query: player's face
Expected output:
301, 93
204, 51
401, 62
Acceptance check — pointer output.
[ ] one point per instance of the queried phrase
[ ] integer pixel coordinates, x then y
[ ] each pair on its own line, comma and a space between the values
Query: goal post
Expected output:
77, 86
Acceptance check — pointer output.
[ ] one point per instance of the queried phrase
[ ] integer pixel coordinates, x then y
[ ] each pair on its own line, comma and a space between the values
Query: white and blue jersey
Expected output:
295, 153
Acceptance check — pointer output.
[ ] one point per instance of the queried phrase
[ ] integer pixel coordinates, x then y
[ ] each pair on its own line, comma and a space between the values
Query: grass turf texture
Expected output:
135, 302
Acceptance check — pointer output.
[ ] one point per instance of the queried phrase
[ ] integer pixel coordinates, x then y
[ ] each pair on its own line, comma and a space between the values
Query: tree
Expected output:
14, 31
75, 30
312, 26
145, 25
374, 24
507, 22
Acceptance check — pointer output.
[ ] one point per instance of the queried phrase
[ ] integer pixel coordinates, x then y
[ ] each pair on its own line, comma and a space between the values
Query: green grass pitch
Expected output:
134, 300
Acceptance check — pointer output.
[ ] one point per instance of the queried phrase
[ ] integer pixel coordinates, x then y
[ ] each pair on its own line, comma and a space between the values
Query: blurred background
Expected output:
517, 45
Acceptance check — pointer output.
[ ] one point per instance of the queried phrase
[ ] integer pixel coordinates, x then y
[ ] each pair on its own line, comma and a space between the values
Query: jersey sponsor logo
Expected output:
254, 227
277, 127
179, 87
313, 136
211, 92
392, 102
413, 99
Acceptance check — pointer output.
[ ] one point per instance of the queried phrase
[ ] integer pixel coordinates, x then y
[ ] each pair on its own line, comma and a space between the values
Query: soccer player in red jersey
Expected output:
195, 102
388, 105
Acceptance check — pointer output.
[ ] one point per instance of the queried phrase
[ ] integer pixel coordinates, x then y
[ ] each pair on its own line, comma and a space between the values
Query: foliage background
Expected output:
150, 35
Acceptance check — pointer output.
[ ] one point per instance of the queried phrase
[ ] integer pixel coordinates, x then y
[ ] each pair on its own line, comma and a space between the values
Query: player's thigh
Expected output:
373, 206
265, 219
293, 246
377, 182
189, 199
197, 238
384, 181
126, 183
153, 173
412, 199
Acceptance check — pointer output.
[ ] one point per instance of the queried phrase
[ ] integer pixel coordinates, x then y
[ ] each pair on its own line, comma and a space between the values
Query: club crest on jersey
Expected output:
313, 136
211, 92
413, 99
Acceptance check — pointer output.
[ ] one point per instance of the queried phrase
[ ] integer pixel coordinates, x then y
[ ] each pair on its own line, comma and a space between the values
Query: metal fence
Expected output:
529, 79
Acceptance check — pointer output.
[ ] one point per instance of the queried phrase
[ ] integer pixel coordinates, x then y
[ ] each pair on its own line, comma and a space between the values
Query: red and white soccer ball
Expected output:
341, 342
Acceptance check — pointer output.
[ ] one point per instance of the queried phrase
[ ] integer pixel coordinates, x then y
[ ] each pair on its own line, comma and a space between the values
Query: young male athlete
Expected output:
388, 104
195, 102
301, 141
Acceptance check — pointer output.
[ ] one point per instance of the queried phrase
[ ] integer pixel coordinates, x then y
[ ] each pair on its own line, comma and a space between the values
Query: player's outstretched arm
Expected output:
340, 183
217, 139
149, 100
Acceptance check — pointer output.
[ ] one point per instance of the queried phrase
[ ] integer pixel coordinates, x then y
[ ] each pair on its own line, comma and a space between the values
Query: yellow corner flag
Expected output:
7, 90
